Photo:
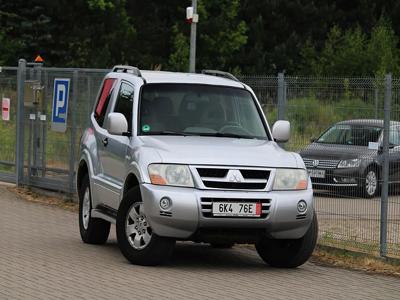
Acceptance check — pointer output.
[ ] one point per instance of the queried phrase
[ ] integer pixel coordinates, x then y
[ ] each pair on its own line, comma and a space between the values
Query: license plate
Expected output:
229, 209
315, 173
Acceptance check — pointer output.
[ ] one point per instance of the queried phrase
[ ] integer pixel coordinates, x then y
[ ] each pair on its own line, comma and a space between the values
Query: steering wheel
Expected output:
235, 128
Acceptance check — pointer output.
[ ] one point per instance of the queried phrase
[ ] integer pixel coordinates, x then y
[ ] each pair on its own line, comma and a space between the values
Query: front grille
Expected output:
208, 172
235, 179
206, 205
320, 163
234, 185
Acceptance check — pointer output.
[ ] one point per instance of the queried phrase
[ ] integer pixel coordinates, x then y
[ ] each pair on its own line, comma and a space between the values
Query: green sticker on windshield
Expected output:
146, 128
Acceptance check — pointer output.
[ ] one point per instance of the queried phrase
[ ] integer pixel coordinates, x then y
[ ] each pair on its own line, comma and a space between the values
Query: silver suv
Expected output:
175, 156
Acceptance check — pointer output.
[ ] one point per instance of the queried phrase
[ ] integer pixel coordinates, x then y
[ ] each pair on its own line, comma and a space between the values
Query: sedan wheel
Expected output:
371, 183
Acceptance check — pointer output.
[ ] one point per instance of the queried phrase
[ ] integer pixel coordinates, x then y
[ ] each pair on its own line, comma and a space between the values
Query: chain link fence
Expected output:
339, 163
343, 158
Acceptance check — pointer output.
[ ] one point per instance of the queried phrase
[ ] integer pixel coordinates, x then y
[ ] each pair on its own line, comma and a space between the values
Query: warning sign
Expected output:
39, 59
5, 109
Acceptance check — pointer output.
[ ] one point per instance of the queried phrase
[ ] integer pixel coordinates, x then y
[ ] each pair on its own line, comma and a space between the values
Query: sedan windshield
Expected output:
193, 109
350, 135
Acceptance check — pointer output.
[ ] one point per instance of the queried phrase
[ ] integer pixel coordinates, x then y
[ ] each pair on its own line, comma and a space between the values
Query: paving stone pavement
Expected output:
42, 257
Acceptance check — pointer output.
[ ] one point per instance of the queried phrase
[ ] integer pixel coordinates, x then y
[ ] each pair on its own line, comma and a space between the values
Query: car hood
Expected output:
336, 152
199, 150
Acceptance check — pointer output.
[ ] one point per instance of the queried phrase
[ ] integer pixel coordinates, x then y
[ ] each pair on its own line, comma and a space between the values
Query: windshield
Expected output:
350, 135
193, 109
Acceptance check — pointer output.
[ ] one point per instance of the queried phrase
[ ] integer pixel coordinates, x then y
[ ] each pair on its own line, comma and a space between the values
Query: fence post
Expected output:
281, 96
376, 98
19, 150
385, 170
72, 109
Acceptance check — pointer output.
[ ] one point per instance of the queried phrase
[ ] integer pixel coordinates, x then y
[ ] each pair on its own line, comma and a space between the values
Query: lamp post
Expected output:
192, 17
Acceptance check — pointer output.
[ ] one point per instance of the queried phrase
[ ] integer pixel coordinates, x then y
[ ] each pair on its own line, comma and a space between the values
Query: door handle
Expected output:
105, 142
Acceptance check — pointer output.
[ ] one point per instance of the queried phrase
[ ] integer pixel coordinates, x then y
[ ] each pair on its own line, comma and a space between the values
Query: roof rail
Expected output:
219, 74
127, 69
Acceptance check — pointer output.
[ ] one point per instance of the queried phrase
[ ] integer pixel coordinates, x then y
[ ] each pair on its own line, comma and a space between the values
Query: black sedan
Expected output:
349, 154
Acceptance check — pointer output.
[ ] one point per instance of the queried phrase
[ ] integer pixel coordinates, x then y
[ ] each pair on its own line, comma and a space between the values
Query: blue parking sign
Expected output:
60, 104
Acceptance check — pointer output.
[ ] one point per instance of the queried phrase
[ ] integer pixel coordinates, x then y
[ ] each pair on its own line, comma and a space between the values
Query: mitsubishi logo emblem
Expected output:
235, 176
315, 163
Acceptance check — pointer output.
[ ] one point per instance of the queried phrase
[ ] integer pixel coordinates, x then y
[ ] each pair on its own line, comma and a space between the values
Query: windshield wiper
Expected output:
229, 135
168, 132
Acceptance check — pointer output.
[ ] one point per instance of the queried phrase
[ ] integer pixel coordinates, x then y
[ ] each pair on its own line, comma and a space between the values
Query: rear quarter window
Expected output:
104, 100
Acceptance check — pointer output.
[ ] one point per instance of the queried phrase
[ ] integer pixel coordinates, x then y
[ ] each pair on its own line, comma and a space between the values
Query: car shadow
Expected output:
201, 256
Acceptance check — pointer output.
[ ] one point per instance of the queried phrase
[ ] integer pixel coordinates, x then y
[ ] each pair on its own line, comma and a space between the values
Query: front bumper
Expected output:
338, 177
185, 217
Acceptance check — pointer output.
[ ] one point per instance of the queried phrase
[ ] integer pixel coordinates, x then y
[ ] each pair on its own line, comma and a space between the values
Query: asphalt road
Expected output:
42, 257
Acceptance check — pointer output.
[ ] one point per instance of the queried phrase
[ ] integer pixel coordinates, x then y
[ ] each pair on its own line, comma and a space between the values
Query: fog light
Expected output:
165, 203
302, 206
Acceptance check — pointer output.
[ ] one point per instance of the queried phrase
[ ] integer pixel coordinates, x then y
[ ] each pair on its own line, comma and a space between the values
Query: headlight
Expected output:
349, 163
163, 174
290, 179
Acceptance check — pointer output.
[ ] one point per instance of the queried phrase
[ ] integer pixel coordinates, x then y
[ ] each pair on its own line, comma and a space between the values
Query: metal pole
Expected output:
192, 57
376, 102
19, 151
73, 132
281, 96
385, 170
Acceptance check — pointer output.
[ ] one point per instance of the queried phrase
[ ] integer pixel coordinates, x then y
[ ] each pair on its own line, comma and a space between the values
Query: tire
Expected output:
92, 230
289, 253
142, 246
370, 183
222, 245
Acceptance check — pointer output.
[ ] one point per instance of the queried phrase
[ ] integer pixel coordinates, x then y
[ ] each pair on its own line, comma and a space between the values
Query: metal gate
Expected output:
33, 151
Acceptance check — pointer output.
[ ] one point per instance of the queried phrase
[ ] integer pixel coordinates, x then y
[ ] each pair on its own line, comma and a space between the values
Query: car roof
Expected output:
177, 77
367, 122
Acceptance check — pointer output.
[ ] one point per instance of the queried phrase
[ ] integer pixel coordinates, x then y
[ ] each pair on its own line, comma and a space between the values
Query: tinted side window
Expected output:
394, 136
124, 104
104, 99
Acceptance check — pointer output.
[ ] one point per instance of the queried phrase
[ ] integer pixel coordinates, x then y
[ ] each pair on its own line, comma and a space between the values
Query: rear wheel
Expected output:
92, 230
136, 239
289, 253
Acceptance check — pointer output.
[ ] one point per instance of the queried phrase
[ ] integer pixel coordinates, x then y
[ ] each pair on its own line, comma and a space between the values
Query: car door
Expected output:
115, 146
394, 154
102, 189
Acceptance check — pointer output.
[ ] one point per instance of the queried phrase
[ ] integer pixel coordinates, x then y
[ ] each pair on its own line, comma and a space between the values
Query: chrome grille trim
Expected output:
322, 163
232, 178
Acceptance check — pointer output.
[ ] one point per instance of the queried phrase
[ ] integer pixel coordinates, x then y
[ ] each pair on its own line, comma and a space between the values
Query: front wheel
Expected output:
370, 183
289, 253
136, 239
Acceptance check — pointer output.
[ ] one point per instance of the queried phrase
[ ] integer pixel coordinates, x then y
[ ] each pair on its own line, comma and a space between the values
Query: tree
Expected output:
353, 53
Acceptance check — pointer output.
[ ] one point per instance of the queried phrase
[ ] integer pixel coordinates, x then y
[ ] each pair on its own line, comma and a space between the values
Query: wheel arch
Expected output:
375, 166
82, 170
131, 181
84, 167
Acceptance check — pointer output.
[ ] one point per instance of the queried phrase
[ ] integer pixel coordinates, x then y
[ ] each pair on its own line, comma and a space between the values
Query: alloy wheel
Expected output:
138, 230
86, 209
371, 183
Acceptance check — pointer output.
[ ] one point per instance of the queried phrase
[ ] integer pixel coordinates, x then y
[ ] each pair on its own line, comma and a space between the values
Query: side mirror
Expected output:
313, 139
117, 124
281, 131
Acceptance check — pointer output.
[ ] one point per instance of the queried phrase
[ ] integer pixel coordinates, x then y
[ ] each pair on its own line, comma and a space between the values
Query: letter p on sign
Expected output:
60, 104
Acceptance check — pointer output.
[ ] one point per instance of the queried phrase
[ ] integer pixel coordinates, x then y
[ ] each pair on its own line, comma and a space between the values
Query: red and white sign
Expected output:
5, 109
